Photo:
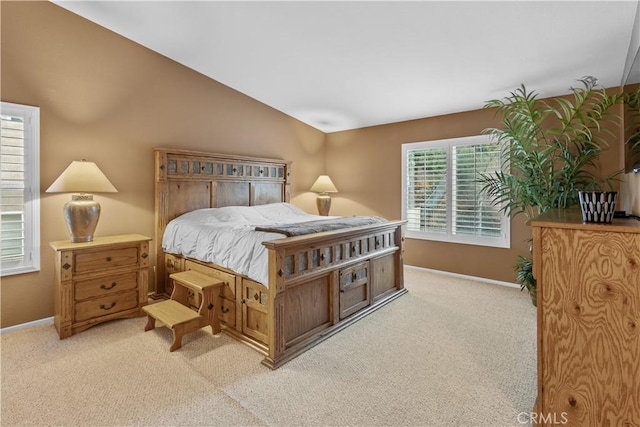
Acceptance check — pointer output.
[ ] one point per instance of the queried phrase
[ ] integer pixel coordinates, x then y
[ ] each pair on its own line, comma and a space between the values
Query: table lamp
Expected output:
323, 186
82, 213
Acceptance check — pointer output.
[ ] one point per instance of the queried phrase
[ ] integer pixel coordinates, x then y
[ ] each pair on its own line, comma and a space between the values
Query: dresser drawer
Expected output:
354, 289
229, 290
101, 286
255, 300
227, 312
102, 260
110, 304
173, 264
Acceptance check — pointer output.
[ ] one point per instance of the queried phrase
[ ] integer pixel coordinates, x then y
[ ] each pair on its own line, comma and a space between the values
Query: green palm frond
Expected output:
550, 148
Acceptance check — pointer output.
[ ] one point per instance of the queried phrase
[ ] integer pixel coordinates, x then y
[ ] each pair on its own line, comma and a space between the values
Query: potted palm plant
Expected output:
551, 149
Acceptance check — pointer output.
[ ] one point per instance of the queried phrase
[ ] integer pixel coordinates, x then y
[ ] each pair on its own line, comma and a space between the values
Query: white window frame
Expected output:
31, 260
504, 241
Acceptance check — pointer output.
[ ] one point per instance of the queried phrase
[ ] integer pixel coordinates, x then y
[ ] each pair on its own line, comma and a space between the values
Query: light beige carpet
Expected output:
451, 352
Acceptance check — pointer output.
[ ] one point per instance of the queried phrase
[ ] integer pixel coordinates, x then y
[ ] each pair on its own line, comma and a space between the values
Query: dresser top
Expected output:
62, 245
572, 218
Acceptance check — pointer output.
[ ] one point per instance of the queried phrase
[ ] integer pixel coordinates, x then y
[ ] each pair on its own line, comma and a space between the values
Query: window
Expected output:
20, 189
441, 195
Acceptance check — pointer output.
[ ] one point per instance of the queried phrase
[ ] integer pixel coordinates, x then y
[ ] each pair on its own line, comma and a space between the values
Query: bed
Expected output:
309, 287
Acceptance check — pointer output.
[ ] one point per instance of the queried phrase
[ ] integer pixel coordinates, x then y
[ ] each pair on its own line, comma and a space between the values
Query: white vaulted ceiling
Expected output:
340, 65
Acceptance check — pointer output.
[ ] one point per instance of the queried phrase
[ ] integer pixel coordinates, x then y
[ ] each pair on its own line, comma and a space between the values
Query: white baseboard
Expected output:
445, 273
14, 328
464, 276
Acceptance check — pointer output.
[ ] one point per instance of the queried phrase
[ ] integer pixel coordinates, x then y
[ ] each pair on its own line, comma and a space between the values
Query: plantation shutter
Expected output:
442, 197
19, 189
13, 184
472, 212
427, 189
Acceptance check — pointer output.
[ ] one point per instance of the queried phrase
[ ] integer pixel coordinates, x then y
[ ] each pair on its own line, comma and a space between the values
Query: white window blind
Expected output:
427, 189
20, 189
442, 198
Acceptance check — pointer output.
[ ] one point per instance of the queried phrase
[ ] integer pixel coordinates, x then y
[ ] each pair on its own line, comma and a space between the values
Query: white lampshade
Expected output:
82, 177
81, 213
323, 185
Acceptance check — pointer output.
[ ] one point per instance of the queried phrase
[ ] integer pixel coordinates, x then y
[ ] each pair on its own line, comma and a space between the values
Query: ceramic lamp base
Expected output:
81, 215
323, 202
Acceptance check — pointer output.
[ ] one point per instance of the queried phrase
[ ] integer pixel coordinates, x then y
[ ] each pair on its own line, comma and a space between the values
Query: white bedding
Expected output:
226, 236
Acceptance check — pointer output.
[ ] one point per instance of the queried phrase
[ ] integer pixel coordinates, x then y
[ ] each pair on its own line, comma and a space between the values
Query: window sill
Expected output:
462, 240
18, 270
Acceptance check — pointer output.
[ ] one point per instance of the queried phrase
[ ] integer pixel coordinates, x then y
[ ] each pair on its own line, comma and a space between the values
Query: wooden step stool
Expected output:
175, 312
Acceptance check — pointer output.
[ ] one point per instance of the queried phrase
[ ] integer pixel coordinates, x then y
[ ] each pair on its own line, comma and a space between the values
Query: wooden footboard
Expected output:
321, 283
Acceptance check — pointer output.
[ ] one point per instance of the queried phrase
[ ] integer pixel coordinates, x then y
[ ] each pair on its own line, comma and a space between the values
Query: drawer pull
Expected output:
113, 285
210, 306
108, 259
256, 297
104, 307
224, 310
354, 277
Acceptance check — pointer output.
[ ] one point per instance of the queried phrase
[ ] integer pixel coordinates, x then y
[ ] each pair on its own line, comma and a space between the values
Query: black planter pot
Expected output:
598, 206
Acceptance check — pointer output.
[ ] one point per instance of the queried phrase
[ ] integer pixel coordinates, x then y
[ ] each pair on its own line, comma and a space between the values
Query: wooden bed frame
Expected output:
318, 284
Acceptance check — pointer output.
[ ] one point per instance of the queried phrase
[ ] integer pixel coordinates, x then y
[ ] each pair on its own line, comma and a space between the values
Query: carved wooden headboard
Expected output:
189, 180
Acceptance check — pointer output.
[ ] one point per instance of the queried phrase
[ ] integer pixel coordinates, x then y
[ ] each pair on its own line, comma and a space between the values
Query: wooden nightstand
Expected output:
98, 281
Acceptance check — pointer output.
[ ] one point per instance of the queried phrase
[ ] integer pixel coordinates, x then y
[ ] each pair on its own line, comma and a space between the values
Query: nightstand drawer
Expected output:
101, 286
106, 305
101, 260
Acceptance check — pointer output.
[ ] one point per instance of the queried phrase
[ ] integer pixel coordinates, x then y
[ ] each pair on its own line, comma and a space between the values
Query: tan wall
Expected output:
631, 186
632, 193
109, 100
365, 165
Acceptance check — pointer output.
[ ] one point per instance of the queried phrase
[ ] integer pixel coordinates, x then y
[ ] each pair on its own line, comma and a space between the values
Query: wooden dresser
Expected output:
588, 279
98, 281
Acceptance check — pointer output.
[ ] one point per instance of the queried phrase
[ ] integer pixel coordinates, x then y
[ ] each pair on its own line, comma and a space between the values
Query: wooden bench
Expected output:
175, 312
